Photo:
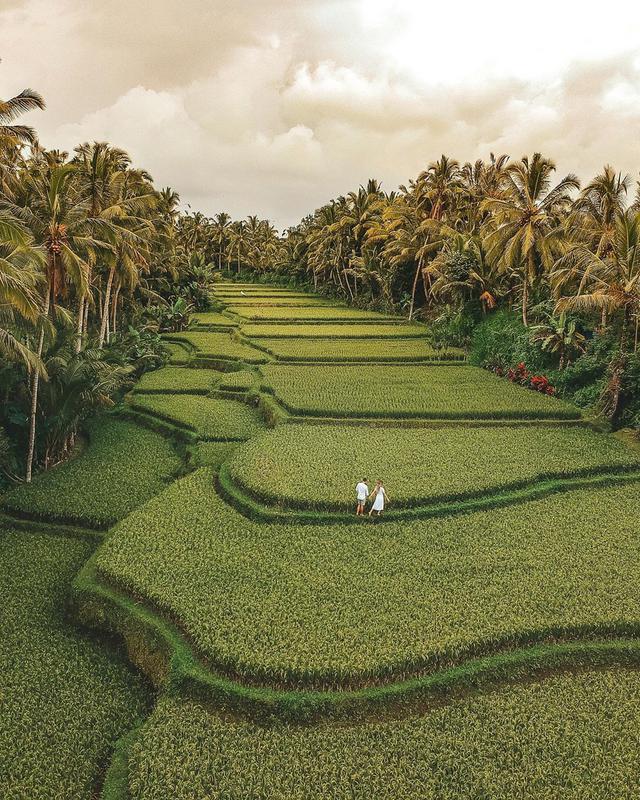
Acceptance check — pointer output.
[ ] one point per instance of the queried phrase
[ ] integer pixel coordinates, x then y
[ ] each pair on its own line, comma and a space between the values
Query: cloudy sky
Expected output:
275, 106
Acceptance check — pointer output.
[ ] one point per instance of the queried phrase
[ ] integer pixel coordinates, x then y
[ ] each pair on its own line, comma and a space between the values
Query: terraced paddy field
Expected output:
358, 350
65, 697
261, 313
277, 301
430, 392
478, 640
207, 417
213, 318
570, 736
178, 380
331, 332
122, 466
222, 346
330, 605
312, 466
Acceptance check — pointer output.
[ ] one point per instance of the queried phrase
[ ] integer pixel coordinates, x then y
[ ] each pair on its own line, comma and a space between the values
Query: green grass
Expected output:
571, 737
64, 698
321, 313
210, 418
178, 380
219, 345
122, 467
317, 466
328, 331
405, 392
358, 350
324, 604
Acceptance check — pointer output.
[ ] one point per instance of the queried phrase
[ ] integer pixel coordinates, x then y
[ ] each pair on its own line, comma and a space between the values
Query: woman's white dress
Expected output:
378, 503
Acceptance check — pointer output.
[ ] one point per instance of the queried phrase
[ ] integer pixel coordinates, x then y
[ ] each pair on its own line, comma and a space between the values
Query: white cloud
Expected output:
272, 106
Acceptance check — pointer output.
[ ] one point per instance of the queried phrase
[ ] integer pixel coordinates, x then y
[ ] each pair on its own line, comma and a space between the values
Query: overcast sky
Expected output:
275, 106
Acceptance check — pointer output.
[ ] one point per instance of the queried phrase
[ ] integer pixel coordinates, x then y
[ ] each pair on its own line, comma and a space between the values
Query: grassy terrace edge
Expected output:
257, 508
160, 650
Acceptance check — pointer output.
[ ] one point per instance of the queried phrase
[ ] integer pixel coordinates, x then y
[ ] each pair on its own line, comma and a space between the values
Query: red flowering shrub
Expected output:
520, 374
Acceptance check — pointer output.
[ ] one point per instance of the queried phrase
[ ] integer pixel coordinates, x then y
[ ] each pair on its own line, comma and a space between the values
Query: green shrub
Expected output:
452, 328
122, 467
66, 698
503, 341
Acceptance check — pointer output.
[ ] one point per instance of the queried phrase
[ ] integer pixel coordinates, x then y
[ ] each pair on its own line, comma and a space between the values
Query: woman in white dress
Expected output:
380, 498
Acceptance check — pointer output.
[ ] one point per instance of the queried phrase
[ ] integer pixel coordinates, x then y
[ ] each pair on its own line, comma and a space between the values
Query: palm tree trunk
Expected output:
105, 308
114, 308
34, 395
85, 324
78, 344
624, 330
525, 301
414, 288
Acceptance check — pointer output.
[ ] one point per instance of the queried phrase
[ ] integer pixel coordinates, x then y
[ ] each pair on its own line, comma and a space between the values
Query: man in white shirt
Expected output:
362, 492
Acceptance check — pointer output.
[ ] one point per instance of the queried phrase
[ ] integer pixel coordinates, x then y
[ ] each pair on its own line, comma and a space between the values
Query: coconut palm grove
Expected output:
191, 607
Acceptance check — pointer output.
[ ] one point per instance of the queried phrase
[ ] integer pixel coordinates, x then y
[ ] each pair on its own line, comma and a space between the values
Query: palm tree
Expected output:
58, 219
559, 335
593, 218
20, 302
10, 134
220, 229
608, 281
524, 234
461, 271
237, 242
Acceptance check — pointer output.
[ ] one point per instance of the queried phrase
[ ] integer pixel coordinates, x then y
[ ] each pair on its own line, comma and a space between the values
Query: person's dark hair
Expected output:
364, 480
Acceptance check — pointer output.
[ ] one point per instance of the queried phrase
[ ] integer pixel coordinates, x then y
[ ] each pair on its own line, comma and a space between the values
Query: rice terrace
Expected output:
343, 506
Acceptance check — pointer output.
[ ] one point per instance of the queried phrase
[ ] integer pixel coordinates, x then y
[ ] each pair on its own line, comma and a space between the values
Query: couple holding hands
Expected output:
363, 494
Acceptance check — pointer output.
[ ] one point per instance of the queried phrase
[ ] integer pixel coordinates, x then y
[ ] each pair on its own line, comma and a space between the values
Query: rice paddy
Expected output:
452, 648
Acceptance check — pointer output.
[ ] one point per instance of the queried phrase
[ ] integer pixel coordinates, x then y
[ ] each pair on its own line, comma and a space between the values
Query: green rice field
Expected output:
319, 350
569, 736
193, 610
430, 392
312, 466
